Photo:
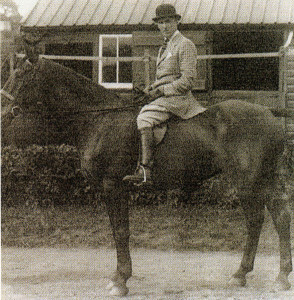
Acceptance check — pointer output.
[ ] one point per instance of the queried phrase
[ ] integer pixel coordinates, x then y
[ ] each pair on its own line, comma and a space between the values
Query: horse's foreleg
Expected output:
254, 212
116, 200
278, 208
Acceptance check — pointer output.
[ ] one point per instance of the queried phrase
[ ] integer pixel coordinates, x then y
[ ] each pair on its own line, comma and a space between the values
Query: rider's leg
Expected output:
142, 174
150, 116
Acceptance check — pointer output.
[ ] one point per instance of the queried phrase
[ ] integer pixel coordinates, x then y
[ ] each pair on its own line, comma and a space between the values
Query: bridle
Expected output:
7, 95
15, 110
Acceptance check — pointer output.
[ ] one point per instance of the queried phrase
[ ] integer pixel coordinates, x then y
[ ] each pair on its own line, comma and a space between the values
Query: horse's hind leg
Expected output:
116, 199
253, 207
278, 207
269, 194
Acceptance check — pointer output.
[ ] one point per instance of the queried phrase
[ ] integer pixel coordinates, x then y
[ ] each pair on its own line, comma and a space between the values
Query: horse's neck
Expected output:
77, 128
110, 125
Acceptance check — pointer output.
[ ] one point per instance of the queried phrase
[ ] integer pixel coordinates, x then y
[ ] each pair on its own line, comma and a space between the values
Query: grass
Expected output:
164, 225
161, 227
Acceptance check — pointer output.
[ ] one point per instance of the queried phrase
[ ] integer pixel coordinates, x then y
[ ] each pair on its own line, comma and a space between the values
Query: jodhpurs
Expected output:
152, 115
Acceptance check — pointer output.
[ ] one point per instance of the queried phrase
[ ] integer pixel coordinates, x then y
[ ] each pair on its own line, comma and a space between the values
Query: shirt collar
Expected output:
174, 35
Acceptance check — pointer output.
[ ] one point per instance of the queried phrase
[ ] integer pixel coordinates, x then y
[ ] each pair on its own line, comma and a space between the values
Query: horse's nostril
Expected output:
16, 110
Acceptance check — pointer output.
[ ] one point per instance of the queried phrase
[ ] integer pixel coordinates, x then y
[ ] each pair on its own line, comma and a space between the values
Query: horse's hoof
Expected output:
118, 290
110, 285
237, 281
281, 285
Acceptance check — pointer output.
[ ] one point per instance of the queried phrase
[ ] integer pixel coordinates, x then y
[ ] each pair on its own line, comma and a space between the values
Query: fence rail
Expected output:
147, 57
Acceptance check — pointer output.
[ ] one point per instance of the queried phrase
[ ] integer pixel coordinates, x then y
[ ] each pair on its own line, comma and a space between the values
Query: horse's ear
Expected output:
32, 47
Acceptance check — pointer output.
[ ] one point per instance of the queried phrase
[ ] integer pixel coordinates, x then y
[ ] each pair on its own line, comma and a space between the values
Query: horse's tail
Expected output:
282, 112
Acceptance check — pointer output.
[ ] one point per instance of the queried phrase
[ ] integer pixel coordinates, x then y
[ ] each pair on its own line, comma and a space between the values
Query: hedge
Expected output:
43, 175
50, 175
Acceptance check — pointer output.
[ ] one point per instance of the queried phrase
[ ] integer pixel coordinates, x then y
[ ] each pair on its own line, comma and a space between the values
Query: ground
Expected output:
81, 273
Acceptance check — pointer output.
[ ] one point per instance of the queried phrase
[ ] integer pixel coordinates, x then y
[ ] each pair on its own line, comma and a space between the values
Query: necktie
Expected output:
163, 47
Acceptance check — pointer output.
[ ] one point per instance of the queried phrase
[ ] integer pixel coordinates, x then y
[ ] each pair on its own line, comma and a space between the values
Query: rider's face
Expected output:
167, 26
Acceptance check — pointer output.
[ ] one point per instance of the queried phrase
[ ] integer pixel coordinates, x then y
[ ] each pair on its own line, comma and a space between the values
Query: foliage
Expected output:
50, 175
47, 202
43, 176
215, 191
10, 37
9, 10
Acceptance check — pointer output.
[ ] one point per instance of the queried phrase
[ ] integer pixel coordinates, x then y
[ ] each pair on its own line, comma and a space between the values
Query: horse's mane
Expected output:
87, 91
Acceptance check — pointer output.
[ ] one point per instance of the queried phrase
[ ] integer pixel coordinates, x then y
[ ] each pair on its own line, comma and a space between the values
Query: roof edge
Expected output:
138, 27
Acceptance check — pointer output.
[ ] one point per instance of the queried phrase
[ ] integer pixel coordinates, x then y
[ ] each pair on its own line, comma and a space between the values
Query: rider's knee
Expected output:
143, 122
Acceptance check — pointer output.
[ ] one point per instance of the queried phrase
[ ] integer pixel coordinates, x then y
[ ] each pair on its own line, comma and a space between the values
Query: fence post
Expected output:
11, 62
147, 59
282, 90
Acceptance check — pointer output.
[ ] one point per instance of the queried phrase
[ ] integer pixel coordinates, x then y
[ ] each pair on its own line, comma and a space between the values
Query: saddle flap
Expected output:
159, 132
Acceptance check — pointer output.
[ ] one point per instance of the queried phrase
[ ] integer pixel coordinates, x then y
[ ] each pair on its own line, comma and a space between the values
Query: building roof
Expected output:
51, 13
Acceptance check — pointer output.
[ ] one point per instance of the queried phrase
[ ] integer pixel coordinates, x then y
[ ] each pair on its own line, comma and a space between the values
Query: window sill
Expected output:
117, 85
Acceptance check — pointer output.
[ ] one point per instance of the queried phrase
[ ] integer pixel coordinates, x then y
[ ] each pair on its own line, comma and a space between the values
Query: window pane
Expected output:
125, 68
125, 47
109, 72
109, 47
125, 72
246, 73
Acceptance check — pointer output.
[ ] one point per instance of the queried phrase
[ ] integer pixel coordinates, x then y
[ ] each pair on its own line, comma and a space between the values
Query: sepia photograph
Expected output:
147, 149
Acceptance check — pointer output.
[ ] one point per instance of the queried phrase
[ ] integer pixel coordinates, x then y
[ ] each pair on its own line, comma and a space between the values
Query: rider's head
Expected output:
167, 20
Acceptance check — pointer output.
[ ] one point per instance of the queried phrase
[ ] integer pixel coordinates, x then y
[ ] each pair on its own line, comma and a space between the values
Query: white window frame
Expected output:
113, 85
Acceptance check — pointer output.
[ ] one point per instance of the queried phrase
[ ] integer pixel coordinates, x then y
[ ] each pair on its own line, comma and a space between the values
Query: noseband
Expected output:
7, 95
15, 110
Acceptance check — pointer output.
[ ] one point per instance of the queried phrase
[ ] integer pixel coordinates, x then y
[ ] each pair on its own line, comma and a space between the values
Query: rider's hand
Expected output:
156, 93
147, 89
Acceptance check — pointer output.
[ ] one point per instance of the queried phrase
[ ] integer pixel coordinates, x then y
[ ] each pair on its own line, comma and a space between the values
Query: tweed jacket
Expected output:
176, 74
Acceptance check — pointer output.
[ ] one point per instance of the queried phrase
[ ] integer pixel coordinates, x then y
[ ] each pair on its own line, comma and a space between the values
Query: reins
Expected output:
140, 99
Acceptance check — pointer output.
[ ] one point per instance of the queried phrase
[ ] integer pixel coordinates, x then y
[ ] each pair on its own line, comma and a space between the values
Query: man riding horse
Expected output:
170, 94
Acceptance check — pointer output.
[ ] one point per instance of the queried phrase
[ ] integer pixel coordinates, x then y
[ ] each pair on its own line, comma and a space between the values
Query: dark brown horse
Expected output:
46, 103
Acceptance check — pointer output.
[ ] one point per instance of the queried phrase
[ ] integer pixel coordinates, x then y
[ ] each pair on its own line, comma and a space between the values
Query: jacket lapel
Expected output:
174, 39
163, 56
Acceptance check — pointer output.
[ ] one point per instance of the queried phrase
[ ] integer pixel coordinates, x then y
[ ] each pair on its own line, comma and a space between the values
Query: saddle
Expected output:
159, 132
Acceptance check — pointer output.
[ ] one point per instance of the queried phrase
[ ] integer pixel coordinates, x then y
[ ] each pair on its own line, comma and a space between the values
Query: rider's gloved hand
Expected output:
155, 93
147, 89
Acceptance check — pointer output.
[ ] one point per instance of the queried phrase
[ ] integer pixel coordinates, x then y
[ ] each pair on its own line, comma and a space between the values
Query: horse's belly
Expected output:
182, 169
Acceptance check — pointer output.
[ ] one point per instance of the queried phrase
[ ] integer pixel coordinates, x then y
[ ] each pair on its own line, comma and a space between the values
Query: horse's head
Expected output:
39, 97
21, 100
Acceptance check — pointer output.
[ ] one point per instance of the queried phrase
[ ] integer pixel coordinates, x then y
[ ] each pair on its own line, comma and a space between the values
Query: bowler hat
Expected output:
165, 11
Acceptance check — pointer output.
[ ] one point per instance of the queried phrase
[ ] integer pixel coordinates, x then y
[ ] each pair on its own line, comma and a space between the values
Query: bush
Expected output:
50, 175
43, 175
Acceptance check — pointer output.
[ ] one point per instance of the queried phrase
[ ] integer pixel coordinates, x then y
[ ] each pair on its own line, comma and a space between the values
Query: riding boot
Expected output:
142, 175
